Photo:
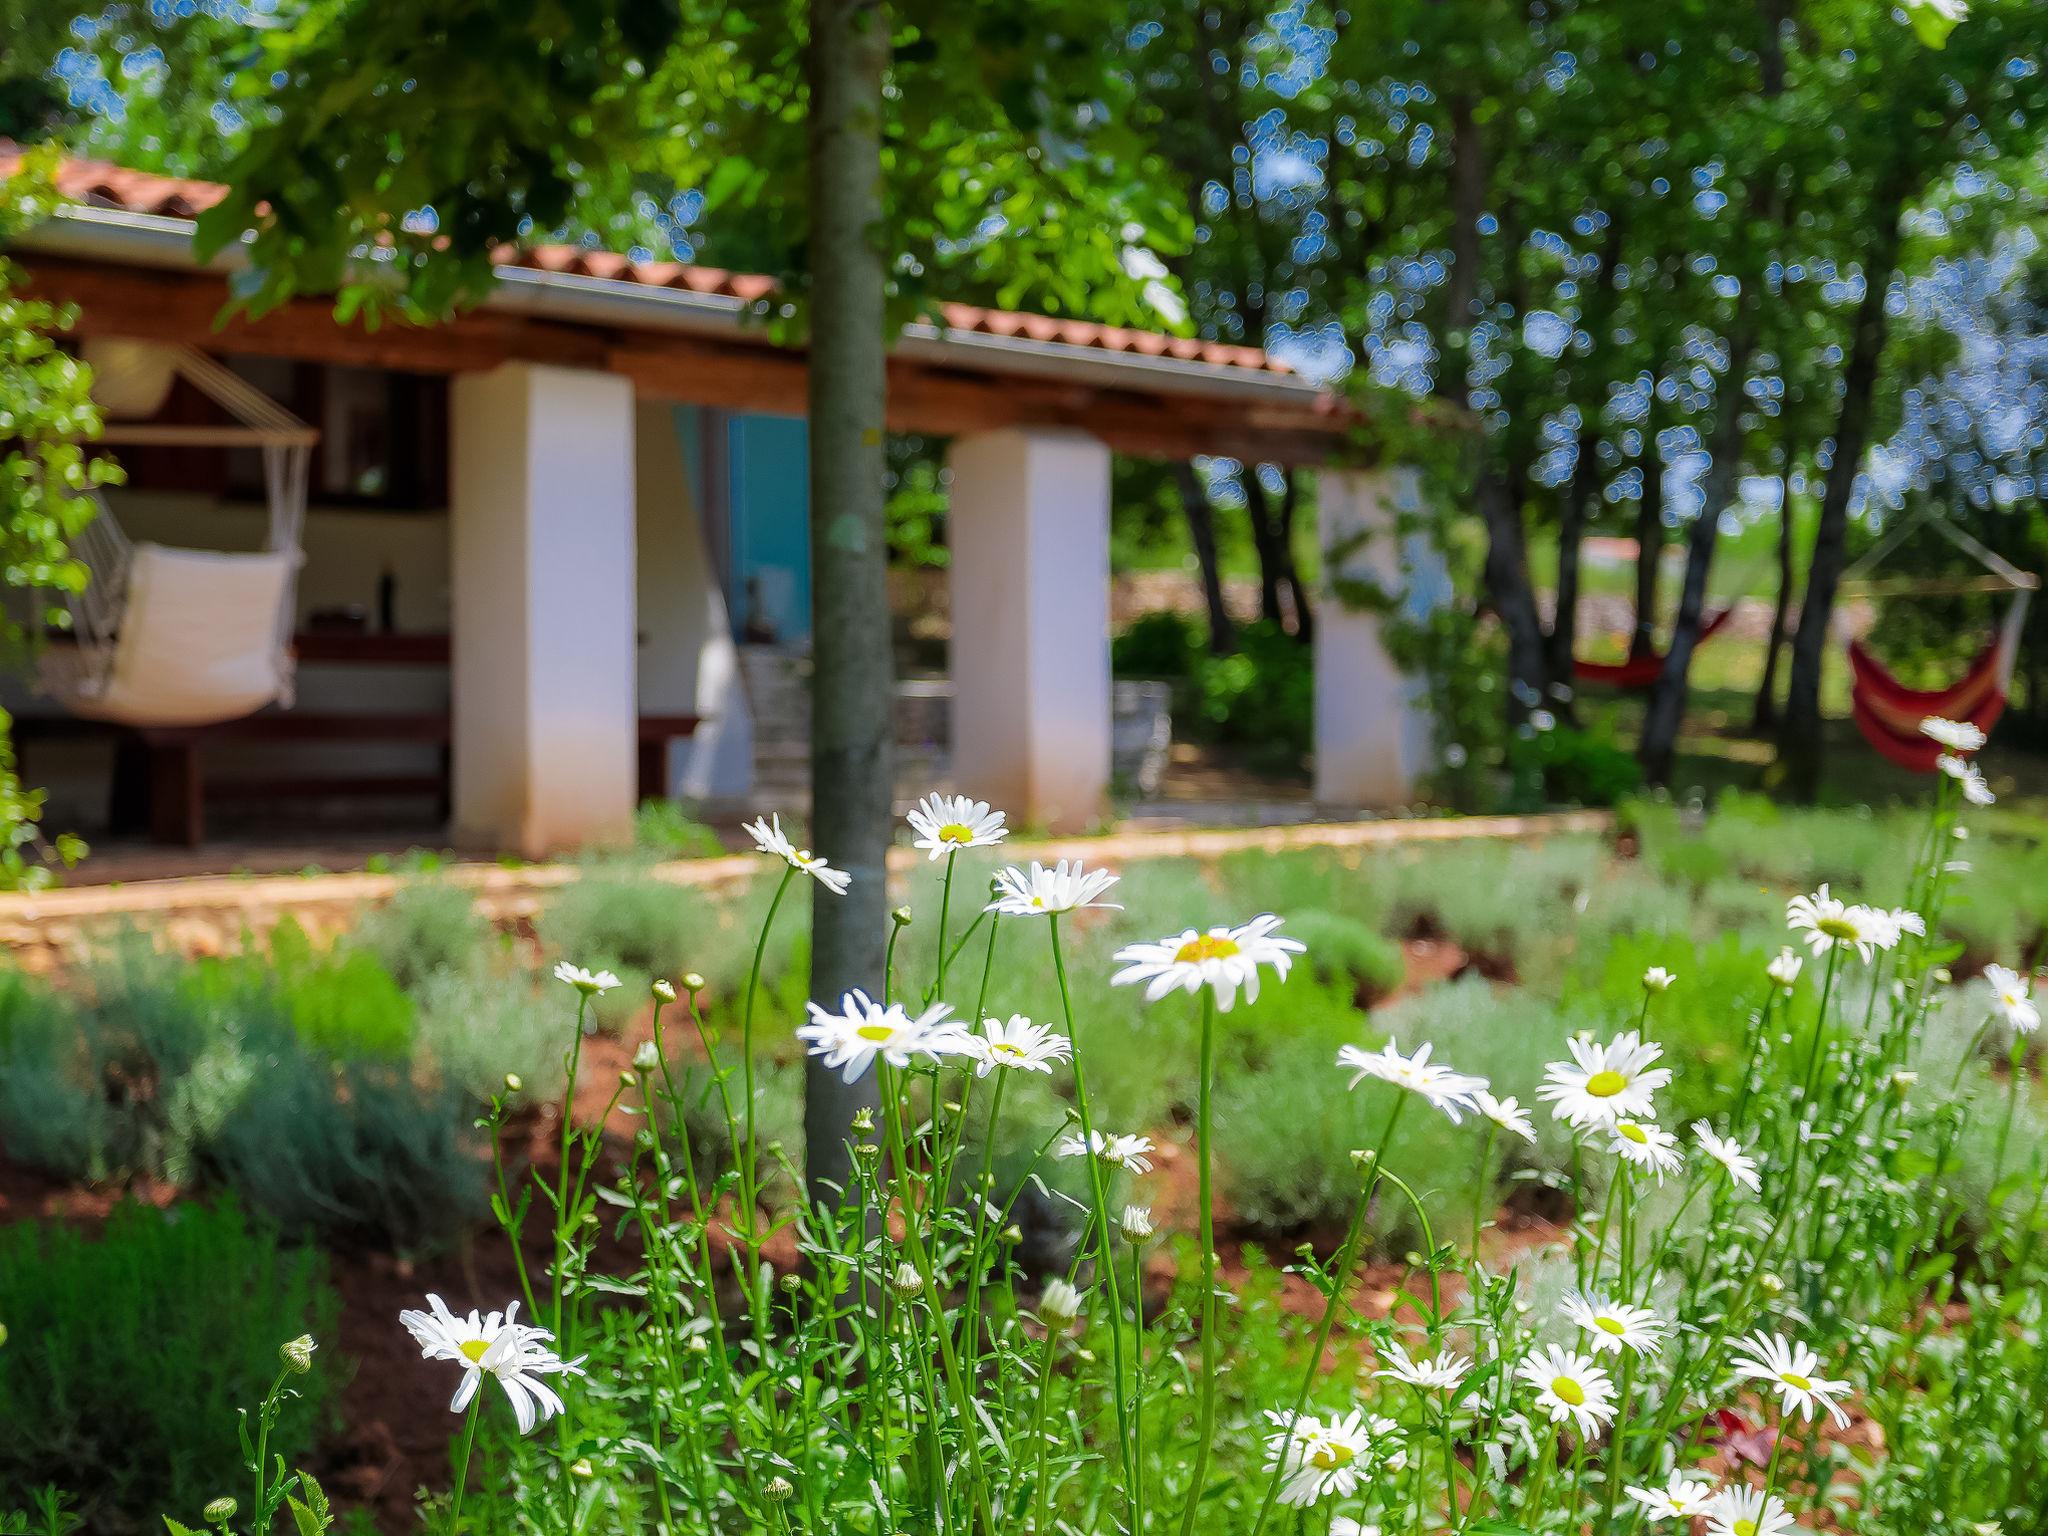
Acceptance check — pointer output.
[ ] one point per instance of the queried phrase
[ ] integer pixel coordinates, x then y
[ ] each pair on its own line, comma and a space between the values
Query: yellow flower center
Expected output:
474, 1350
954, 832
1745, 1528
1210, 946
1330, 1454
877, 1032
1005, 1048
1605, 1085
1609, 1325
1565, 1390
1633, 1132
803, 855
1038, 901
1793, 1379
1838, 928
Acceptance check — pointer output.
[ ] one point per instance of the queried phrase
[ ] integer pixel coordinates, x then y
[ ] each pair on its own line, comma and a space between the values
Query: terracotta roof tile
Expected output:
104, 185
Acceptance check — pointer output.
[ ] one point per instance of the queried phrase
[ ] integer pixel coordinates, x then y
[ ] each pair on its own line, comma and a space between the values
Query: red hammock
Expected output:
1889, 714
1641, 671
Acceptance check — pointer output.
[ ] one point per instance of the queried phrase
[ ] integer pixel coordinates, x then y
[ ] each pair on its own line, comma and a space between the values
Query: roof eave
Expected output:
155, 240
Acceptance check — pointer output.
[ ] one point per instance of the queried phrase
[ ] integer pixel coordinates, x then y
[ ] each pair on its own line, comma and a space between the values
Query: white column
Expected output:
1028, 531
1372, 724
543, 605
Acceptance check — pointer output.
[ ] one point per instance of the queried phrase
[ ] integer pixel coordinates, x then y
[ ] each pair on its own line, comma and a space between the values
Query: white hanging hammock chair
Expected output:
181, 637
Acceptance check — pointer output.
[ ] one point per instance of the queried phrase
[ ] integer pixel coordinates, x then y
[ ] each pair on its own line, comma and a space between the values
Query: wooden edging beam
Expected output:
22, 913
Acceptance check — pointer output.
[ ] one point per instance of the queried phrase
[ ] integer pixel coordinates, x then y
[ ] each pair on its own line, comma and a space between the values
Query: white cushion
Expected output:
199, 638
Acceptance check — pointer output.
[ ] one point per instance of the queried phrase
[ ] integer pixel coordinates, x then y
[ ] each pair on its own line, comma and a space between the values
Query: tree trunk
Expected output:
1659, 746
1571, 532
1201, 515
1258, 508
1764, 717
1513, 595
851, 682
1799, 739
1649, 559
1297, 589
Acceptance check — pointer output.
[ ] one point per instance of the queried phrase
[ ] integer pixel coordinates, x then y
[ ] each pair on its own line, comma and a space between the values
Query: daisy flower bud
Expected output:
864, 1119
220, 1511
901, 917
1060, 1304
1784, 970
513, 1082
663, 990
906, 1281
692, 982
1771, 1285
778, 1490
297, 1354
1013, 1234
627, 1079
1136, 1223
646, 1058
581, 1467
1656, 979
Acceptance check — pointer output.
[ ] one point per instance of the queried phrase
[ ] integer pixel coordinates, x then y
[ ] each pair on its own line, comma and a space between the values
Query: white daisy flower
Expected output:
1831, 923
769, 837
1223, 959
1569, 1386
1439, 1373
849, 1041
1646, 1146
1130, 1153
1657, 979
1956, 735
2012, 993
1016, 1043
1793, 1369
1344, 1525
1894, 924
1976, 789
1324, 1458
1614, 1326
1505, 1113
1602, 1083
1786, 968
589, 983
1725, 1150
1041, 892
1451, 1092
1679, 1499
499, 1346
1136, 1223
1739, 1510
947, 823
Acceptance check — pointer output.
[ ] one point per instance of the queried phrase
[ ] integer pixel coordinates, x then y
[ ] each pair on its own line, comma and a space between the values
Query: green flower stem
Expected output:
1820, 1029
945, 909
1099, 1187
476, 1404
1038, 1436
1483, 1186
920, 1259
747, 1163
1138, 1387
960, 1124
1760, 1031
1347, 1255
2017, 1070
264, 1416
1212, 1343
977, 1261
575, 1058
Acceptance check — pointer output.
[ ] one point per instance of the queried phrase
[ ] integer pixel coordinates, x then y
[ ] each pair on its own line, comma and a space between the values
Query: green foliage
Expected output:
1573, 766
130, 1352
46, 415
663, 829
221, 1072
428, 926
1259, 697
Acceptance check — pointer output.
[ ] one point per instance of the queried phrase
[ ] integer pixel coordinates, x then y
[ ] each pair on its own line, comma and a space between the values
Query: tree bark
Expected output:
851, 684
1649, 556
1201, 516
1259, 510
1659, 746
1513, 595
1799, 738
1764, 717
1297, 589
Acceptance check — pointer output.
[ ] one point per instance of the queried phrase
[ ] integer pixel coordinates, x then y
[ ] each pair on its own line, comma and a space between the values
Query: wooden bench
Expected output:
162, 782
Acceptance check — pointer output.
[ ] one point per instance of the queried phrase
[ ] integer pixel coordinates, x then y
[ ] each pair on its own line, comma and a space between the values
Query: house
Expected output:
549, 520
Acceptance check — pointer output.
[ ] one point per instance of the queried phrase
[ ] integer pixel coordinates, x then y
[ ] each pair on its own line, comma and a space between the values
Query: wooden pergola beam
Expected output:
741, 373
